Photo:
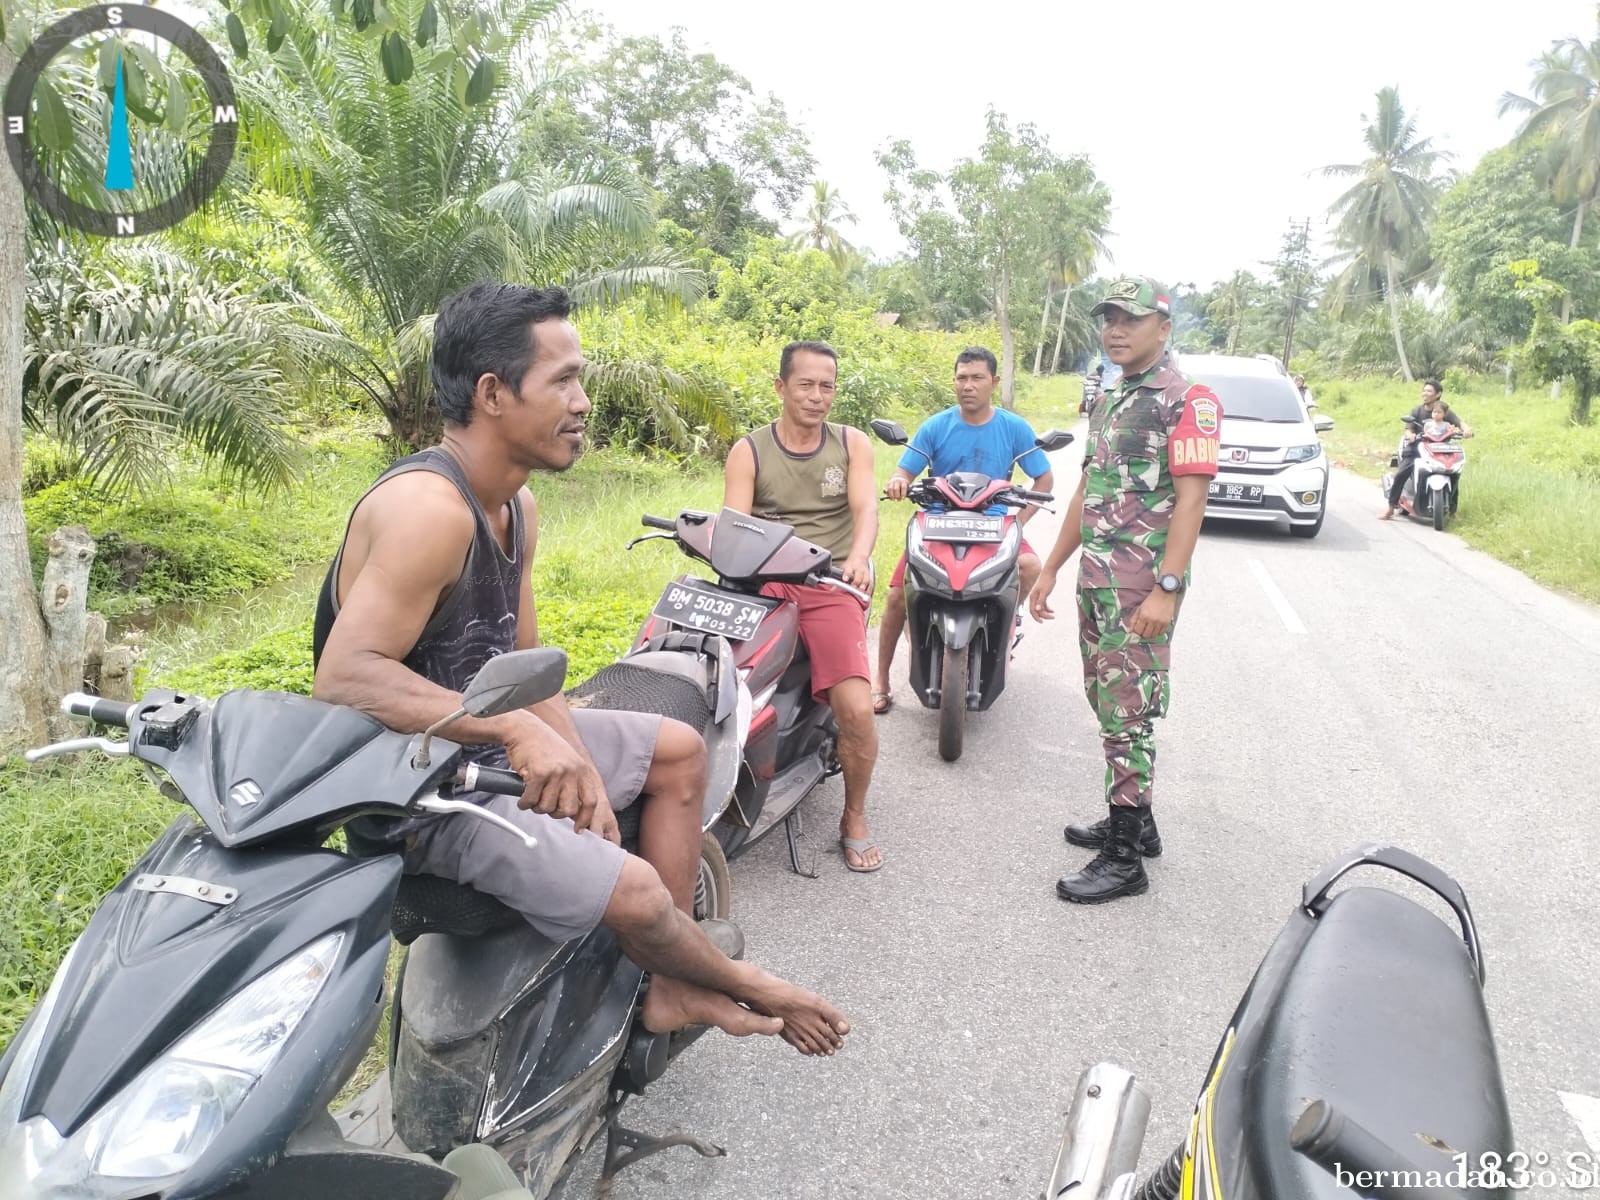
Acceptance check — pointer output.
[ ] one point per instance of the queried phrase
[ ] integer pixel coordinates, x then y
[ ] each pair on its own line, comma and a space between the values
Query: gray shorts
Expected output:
563, 884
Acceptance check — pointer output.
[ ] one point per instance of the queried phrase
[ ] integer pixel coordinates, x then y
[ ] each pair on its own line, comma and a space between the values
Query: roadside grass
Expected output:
1530, 493
1050, 402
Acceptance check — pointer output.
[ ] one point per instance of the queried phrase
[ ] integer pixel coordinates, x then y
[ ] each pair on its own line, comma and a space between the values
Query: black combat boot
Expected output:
1118, 870
1094, 836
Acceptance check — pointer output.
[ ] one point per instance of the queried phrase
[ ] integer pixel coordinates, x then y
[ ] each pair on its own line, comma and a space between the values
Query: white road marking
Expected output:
1585, 1110
1286, 614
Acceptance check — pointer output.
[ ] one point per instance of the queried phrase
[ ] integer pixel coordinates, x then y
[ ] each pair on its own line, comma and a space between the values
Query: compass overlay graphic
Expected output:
119, 170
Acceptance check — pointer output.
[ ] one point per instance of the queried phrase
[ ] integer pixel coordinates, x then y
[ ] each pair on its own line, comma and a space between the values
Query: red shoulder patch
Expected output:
1192, 447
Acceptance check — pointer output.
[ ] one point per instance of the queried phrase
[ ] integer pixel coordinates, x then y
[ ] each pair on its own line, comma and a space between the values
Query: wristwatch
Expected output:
1170, 583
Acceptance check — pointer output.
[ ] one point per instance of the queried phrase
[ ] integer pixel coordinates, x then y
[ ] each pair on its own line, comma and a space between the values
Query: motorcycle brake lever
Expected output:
651, 537
104, 745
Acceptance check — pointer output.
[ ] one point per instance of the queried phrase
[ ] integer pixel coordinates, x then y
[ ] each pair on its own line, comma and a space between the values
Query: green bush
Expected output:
280, 662
197, 540
737, 339
594, 631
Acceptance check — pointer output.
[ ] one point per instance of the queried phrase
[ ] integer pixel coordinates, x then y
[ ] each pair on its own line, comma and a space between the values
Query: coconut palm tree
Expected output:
412, 193
826, 212
1563, 115
1383, 217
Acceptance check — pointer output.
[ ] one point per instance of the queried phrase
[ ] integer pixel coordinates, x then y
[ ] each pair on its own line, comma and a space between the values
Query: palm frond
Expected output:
691, 412
122, 358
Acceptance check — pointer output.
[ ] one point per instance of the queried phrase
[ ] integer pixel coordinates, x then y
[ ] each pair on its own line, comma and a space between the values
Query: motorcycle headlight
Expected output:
158, 1126
1302, 453
917, 550
1002, 555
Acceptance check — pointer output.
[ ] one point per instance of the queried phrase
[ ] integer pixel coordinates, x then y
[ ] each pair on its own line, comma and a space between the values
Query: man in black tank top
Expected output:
431, 581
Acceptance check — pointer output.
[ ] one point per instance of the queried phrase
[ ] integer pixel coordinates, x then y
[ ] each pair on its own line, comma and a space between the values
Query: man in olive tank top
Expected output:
432, 580
818, 478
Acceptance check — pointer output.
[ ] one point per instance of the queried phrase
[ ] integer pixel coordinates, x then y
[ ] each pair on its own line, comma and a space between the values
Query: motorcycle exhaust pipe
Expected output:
1099, 1156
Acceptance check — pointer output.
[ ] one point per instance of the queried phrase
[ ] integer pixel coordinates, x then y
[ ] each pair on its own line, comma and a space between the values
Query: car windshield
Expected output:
1245, 398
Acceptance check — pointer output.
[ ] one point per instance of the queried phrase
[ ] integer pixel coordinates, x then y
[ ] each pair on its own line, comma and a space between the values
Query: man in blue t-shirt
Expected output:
972, 435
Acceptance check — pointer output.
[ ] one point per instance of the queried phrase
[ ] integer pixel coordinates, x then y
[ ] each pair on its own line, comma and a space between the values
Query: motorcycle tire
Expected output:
713, 885
953, 702
1441, 508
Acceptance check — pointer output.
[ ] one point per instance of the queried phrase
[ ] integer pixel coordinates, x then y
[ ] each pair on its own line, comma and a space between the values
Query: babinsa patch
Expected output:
1202, 402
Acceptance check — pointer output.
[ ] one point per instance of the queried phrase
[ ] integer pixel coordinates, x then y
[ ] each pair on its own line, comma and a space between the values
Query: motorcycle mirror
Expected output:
889, 431
515, 680
1321, 423
1054, 439
507, 681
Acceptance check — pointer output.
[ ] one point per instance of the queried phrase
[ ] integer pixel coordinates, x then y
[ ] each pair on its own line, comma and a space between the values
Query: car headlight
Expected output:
158, 1126
1302, 453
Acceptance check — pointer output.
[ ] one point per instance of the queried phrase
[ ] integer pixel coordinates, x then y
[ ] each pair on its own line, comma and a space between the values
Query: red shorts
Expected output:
833, 625
898, 579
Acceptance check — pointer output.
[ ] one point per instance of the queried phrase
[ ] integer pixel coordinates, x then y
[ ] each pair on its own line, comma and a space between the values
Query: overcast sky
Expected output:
1209, 121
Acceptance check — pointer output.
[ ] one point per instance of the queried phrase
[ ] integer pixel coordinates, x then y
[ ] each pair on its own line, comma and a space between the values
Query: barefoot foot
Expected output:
671, 1004
810, 1024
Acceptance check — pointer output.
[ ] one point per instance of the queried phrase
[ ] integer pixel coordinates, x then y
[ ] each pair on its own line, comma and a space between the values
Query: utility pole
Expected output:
1303, 262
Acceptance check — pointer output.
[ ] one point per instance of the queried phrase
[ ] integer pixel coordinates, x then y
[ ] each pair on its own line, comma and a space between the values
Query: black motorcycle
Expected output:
1359, 1058
228, 987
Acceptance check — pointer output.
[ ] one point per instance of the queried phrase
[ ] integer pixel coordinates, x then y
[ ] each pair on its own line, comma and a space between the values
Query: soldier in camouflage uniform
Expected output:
1151, 450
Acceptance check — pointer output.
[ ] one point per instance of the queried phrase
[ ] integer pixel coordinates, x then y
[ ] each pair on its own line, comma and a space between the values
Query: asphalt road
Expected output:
1379, 683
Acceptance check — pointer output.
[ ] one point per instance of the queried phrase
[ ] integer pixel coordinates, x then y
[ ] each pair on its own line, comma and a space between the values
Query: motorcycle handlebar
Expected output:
656, 523
1034, 497
97, 708
501, 782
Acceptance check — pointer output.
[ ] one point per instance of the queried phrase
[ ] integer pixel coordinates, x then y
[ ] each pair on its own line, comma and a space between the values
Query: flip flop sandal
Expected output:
885, 699
861, 846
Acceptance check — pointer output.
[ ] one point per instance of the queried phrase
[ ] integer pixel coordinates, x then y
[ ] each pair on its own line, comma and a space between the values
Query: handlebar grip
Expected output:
492, 779
1336, 1143
97, 708
655, 523
1037, 497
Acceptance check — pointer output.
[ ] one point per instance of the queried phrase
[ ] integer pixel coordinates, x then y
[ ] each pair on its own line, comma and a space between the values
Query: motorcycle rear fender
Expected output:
1372, 1004
730, 718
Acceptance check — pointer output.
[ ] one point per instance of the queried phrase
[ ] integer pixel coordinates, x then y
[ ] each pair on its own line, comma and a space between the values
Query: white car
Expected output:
1270, 465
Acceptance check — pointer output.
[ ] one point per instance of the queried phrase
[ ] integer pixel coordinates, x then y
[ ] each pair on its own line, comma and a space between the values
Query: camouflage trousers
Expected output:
1126, 678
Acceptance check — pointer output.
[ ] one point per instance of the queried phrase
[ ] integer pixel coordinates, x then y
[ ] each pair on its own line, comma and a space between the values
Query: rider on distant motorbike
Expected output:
1432, 393
970, 435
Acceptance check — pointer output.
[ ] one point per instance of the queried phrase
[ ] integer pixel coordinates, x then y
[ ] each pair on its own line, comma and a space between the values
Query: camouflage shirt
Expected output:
1144, 431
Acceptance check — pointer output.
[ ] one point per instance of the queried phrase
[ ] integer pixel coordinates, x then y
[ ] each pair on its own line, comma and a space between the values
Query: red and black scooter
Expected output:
760, 668
962, 586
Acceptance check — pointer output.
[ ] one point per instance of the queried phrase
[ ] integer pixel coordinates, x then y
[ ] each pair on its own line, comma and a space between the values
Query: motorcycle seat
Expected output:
664, 688
432, 904
1379, 1013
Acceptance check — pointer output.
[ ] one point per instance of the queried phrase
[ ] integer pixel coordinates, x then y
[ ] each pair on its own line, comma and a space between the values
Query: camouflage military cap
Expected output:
1138, 296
